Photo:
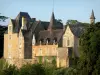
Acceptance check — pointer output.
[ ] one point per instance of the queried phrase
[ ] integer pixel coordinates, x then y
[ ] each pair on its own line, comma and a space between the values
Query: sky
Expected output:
42, 9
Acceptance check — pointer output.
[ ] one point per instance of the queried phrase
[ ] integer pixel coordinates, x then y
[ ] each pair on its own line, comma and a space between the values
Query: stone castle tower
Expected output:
92, 18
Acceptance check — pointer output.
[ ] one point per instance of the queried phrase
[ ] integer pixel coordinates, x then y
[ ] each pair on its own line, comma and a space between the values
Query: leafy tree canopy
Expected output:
3, 18
70, 22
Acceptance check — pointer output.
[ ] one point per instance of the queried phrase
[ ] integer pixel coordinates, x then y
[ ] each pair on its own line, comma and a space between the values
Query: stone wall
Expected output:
10, 46
62, 57
20, 62
44, 50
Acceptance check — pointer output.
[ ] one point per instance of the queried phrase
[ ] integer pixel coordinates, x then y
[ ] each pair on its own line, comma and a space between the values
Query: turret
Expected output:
92, 18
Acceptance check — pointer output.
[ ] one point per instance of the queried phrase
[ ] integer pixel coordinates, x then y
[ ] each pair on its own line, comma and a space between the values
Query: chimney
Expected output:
33, 19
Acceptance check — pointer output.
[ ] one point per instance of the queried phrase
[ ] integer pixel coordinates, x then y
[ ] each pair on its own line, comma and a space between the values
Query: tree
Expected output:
89, 63
59, 20
32, 69
2, 31
71, 22
3, 18
10, 70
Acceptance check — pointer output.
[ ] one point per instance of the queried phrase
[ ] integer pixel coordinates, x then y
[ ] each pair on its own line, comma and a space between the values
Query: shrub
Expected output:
11, 70
32, 69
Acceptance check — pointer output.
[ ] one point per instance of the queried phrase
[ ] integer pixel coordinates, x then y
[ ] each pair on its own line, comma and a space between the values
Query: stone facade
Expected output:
28, 41
70, 40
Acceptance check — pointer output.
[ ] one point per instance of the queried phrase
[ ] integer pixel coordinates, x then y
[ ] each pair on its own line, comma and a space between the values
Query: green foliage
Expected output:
88, 64
10, 70
90, 46
70, 22
3, 18
49, 70
59, 20
71, 71
26, 70
2, 31
3, 64
54, 61
59, 71
40, 59
32, 69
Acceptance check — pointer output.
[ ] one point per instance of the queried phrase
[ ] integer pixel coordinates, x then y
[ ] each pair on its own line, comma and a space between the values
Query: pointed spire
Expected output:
52, 22
92, 15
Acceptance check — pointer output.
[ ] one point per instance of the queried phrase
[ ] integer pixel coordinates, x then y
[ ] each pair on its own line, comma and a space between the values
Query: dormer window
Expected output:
41, 41
55, 40
48, 40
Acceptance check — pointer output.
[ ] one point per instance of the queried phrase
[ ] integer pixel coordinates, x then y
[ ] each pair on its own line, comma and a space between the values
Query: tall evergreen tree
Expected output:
89, 63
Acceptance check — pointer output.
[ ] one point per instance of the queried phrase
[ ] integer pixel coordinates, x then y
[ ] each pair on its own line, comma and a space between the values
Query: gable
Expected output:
68, 32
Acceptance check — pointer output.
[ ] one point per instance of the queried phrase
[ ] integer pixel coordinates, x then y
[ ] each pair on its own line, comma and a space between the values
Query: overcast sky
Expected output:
41, 9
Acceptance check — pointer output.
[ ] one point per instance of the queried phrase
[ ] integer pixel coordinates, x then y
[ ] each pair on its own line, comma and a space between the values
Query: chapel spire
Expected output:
92, 18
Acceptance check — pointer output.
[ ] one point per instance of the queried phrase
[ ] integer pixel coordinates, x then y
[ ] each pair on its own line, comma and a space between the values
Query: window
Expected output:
9, 36
48, 40
41, 41
40, 51
10, 28
55, 40
68, 42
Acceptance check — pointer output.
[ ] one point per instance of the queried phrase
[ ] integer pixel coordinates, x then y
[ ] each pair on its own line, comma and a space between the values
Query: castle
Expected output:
30, 41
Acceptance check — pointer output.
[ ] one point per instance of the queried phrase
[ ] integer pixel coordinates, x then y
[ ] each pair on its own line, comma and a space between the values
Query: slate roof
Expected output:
77, 29
53, 31
52, 22
45, 24
53, 35
40, 28
17, 22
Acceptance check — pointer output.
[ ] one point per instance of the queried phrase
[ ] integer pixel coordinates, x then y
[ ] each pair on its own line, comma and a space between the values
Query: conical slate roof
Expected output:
52, 22
92, 15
